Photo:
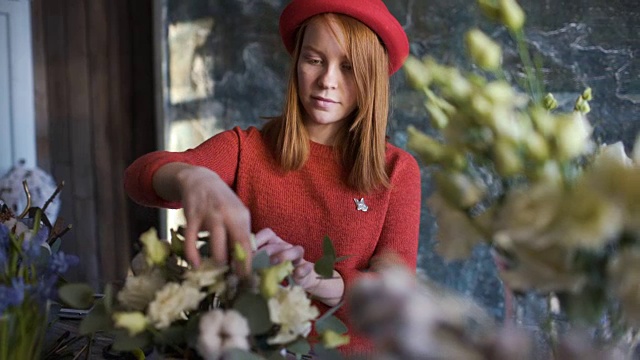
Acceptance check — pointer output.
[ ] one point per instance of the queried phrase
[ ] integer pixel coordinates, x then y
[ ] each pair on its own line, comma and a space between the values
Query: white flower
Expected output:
208, 275
220, 331
292, 310
573, 134
613, 153
140, 290
156, 251
171, 302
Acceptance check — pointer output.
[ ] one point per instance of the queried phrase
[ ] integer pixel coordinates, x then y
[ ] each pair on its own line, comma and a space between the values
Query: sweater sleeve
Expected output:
220, 153
401, 229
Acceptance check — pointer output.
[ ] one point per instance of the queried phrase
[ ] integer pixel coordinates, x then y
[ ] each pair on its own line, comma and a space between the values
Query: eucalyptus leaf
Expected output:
98, 319
261, 260
323, 353
324, 267
77, 295
238, 354
300, 346
330, 312
327, 247
255, 309
56, 245
173, 335
275, 355
330, 323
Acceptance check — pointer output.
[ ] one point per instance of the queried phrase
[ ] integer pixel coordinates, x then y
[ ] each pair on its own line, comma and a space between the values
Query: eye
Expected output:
347, 67
312, 60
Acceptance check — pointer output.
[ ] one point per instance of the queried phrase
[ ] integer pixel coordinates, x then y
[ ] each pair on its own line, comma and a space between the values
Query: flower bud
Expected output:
156, 251
508, 161
582, 105
499, 93
134, 322
417, 73
483, 51
587, 95
511, 14
429, 150
549, 102
543, 121
490, 9
271, 277
331, 339
537, 146
458, 189
437, 115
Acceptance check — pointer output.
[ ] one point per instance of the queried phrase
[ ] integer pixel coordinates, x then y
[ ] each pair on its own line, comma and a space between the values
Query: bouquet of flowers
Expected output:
209, 312
559, 210
31, 264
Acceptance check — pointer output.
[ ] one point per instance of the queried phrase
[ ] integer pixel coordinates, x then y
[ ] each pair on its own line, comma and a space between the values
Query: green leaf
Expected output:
108, 298
326, 354
327, 247
77, 295
300, 346
330, 312
275, 355
173, 335
331, 323
238, 354
98, 319
56, 245
343, 258
255, 309
123, 342
260, 260
324, 267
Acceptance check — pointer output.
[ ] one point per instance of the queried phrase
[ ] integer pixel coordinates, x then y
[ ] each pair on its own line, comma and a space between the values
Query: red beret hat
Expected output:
372, 13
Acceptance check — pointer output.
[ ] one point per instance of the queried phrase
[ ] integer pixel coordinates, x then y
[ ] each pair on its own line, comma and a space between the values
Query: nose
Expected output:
329, 78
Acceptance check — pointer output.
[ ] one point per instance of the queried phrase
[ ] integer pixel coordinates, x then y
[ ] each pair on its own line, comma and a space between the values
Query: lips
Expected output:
320, 102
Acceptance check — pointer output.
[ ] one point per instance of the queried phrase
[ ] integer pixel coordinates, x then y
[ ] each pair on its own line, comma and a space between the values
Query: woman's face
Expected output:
326, 83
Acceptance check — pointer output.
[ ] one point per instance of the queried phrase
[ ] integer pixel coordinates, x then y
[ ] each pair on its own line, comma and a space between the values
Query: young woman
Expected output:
322, 168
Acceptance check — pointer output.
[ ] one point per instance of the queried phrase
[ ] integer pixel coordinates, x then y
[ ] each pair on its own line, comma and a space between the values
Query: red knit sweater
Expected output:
303, 206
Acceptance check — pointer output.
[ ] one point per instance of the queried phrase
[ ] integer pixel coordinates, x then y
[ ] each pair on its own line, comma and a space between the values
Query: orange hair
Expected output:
362, 140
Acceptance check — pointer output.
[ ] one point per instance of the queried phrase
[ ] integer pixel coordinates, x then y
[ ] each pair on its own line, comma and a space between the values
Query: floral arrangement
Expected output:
210, 312
32, 265
511, 170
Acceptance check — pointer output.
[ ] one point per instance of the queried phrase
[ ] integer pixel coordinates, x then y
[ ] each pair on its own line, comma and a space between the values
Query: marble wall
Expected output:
225, 66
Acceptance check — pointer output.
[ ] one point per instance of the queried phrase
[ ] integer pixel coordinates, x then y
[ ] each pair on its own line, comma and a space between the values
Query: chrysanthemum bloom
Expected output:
292, 310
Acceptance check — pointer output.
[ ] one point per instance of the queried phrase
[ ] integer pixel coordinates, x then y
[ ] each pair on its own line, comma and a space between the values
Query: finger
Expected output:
272, 249
303, 270
190, 239
264, 236
218, 243
239, 231
294, 254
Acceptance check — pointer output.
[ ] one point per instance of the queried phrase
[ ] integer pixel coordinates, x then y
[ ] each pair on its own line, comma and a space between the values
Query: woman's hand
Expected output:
280, 251
329, 291
210, 205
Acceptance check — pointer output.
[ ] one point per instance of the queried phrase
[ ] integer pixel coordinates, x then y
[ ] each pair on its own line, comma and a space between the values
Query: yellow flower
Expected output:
485, 52
156, 251
507, 158
458, 189
271, 277
292, 310
331, 339
134, 322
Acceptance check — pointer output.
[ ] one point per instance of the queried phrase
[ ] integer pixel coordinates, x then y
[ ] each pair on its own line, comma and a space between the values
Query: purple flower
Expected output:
60, 262
10, 296
33, 246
